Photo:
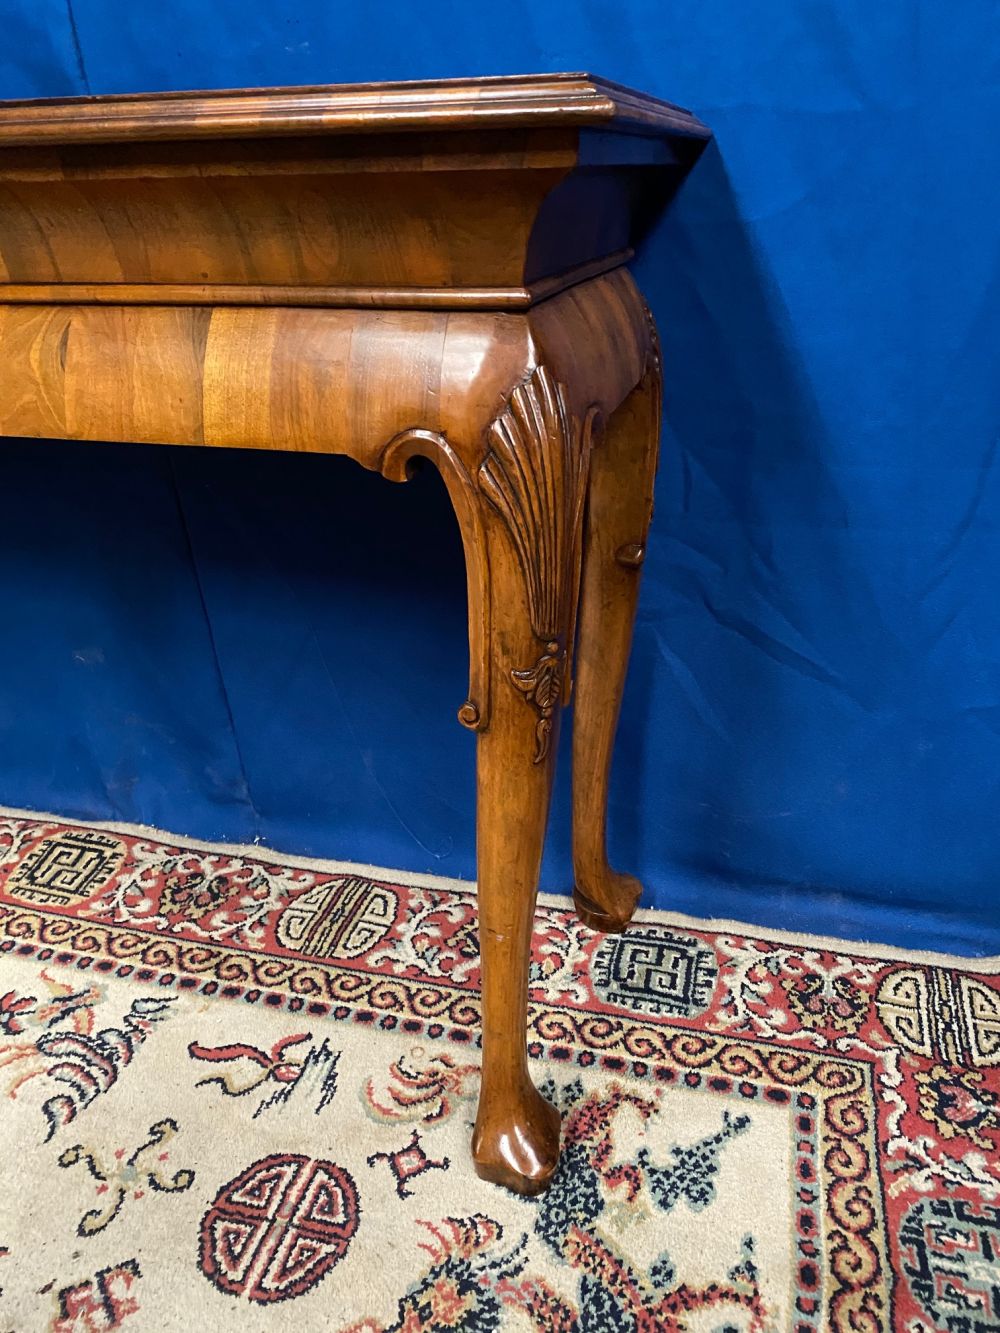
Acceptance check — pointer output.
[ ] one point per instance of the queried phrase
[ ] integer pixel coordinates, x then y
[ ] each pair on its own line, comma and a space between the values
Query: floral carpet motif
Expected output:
236, 1092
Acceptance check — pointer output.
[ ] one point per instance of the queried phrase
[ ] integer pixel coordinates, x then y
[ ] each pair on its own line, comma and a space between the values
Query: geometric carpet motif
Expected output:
236, 1092
655, 972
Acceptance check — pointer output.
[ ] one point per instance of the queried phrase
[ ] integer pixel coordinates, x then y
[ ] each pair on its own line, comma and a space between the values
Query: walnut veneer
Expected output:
386, 271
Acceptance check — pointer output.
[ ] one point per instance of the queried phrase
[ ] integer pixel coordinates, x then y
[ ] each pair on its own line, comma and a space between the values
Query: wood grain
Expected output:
381, 298
483, 188
534, 99
390, 272
312, 380
619, 512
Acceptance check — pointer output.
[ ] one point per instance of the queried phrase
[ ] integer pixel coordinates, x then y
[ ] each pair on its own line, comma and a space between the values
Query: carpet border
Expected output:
987, 965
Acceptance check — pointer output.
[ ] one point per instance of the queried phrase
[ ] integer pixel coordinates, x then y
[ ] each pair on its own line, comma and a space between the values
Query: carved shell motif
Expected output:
535, 476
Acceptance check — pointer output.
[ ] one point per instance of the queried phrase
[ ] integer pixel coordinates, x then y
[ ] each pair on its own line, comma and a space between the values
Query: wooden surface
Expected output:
380, 298
533, 99
390, 271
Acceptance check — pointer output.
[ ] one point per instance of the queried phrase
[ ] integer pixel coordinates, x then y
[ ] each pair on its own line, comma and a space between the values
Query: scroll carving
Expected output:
535, 477
396, 463
631, 555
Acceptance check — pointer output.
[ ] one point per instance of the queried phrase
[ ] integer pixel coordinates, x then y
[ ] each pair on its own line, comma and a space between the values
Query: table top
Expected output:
533, 100
490, 193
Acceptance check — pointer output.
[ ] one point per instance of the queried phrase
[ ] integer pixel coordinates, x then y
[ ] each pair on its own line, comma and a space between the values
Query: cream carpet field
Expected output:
236, 1092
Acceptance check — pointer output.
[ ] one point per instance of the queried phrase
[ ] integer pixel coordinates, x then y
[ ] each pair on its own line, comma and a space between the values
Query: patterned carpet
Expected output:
236, 1093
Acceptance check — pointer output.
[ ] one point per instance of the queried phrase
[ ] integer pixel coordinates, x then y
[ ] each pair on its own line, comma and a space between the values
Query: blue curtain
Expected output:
248, 646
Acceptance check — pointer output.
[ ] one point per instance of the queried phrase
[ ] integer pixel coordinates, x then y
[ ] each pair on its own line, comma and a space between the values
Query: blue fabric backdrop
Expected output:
248, 646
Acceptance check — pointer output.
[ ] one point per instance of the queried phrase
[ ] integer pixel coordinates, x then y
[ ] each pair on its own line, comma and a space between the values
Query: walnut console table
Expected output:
386, 271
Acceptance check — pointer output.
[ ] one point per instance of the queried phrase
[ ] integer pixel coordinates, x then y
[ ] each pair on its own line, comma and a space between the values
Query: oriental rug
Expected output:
237, 1088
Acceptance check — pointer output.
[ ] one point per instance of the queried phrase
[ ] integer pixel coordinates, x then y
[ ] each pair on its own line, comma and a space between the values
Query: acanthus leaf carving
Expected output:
542, 686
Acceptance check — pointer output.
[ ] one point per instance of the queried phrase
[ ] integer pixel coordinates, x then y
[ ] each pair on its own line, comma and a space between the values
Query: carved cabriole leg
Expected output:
619, 508
516, 1139
533, 481
519, 486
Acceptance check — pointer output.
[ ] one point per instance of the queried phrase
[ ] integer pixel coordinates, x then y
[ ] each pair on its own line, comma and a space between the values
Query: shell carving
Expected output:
535, 477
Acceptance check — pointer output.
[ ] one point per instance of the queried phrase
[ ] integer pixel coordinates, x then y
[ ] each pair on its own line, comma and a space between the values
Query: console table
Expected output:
387, 271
